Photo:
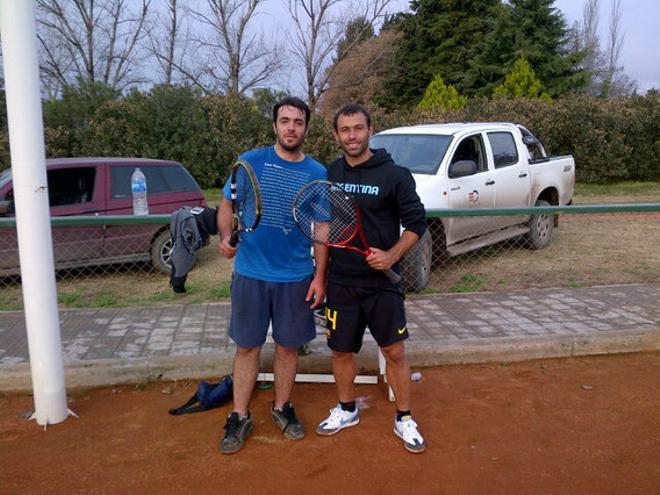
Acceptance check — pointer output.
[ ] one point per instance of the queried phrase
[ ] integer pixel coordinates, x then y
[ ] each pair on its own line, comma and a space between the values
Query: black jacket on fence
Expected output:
190, 229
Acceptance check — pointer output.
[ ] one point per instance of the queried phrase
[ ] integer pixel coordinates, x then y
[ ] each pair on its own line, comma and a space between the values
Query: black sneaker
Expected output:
287, 421
236, 432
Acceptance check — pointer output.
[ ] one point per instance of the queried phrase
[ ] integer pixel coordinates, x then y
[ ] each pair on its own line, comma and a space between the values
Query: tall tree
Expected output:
318, 26
588, 43
91, 41
357, 31
439, 37
168, 40
533, 30
615, 81
358, 77
233, 57
541, 39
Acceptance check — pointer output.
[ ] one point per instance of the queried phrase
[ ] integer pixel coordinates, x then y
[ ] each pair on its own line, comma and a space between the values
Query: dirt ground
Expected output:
579, 425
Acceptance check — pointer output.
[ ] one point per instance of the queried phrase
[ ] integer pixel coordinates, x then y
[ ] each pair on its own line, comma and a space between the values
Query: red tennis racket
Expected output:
327, 214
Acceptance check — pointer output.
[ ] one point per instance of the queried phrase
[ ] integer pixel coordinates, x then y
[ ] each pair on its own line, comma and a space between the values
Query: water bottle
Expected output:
139, 190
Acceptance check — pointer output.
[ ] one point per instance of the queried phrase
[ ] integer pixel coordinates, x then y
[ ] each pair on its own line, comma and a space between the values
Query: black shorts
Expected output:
350, 310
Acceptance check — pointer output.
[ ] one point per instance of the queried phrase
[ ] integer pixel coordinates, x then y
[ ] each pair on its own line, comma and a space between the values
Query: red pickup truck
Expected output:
102, 186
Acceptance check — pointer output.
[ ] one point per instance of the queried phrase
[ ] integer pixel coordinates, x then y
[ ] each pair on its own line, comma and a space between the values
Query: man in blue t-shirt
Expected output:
274, 281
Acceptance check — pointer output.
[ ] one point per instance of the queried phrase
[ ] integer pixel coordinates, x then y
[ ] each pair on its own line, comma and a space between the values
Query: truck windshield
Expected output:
420, 153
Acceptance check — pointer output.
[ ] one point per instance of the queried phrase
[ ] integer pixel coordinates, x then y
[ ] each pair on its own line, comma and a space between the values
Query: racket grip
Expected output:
233, 240
394, 277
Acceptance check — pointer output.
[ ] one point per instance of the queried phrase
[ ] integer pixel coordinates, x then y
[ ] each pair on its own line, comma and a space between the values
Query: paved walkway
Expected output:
124, 345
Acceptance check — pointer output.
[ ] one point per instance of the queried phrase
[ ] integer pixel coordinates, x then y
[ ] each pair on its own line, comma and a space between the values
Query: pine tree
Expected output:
521, 82
438, 37
536, 31
541, 40
439, 94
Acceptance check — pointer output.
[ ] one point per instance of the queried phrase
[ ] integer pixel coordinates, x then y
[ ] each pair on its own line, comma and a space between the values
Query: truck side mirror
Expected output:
462, 168
530, 140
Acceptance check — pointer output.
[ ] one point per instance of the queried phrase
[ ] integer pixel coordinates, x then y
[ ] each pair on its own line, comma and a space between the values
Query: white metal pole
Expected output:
26, 140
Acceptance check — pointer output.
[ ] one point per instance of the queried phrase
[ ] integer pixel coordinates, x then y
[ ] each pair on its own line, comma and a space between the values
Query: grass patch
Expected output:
469, 283
628, 188
104, 300
222, 290
70, 299
617, 192
575, 285
161, 296
10, 305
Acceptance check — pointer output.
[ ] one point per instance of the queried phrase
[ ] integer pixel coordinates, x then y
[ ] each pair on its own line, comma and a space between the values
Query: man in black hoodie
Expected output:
359, 294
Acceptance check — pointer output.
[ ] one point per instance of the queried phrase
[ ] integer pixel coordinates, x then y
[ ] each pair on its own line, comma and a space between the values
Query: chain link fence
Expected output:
124, 260
556, 247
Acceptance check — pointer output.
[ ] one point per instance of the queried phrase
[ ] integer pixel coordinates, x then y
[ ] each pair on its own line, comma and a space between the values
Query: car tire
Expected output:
161, 252
540, 229
416, 265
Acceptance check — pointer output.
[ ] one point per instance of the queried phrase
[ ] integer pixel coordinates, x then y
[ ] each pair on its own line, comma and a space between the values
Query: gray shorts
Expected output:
255, 303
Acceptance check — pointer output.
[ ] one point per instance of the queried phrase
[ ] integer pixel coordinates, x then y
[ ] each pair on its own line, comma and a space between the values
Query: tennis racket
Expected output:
327, 214
245, 199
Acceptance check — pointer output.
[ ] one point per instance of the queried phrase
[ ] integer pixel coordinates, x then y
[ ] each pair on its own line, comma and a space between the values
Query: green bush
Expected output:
521, 82
611, 139
439, 94
234, 126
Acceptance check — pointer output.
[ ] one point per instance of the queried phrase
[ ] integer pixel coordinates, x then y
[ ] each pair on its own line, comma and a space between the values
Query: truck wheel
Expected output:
161, 252
416, 265
440, 255
540, 229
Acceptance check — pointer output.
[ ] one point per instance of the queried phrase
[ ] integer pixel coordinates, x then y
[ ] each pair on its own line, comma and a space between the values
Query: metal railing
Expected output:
123, 260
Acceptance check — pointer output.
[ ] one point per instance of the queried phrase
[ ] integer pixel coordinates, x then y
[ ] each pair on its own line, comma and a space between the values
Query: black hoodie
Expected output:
387, 199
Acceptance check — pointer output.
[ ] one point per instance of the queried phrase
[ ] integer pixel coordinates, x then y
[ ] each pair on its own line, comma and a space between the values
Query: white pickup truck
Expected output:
477, 165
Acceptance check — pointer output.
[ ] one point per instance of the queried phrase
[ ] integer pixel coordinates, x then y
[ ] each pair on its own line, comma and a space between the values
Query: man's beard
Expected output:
357, 152
290, 148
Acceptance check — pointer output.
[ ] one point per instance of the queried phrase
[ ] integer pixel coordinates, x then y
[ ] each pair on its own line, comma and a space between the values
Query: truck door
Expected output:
511, 175
472, 191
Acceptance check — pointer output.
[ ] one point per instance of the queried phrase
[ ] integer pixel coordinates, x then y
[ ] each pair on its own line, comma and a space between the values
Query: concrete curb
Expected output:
108, 372
529, 348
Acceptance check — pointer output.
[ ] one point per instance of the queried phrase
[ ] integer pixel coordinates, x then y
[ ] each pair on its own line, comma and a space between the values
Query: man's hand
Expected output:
316, 291
381, 260
226, 250
224, 229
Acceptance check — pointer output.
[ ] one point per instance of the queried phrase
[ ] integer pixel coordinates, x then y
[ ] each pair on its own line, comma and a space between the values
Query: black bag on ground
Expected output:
208, 396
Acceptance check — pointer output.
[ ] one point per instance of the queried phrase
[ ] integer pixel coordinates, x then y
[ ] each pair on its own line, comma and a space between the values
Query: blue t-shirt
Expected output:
276, 251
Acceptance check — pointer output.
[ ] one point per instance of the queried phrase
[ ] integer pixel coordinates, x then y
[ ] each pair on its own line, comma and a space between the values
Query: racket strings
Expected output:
245, 198
325, 213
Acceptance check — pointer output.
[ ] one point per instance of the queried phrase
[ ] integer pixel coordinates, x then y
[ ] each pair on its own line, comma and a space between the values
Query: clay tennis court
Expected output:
578, 425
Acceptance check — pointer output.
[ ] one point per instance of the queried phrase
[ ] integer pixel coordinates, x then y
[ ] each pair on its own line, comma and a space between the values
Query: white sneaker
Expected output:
406, 430
338, 420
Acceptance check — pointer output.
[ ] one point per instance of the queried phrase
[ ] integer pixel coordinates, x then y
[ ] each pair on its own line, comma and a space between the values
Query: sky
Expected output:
640, 22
